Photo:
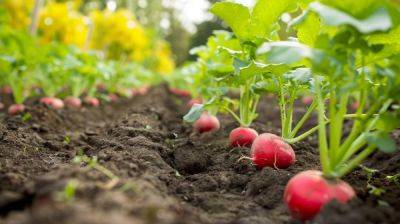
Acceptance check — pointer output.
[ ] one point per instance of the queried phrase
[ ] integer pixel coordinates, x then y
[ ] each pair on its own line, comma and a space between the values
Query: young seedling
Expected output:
68, 194
92, 162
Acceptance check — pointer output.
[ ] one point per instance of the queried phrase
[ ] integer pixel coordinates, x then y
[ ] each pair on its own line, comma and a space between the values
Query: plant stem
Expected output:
323, 144
302, 136
358, 126
336, 127
360, 141
304, 119
343, 170
234, 115
312, 130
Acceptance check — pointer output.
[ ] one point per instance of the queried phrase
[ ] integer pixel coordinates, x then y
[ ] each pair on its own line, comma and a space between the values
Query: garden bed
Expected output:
161, 172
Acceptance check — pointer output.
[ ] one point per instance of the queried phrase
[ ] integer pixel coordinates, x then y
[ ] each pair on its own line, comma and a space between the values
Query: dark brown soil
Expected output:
158, 171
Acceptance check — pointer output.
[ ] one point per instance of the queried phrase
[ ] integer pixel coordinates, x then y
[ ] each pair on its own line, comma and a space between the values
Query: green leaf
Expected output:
237, 16
267, 13
285, 52
382, 141
194, 113
254, 68
259, 22
378, 21
299, 75
230, 51
308, 27
392, 37
388, 122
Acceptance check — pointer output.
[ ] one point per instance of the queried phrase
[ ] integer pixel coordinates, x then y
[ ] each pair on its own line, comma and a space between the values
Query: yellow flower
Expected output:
164, 62
19, 12
59, 22
119, 34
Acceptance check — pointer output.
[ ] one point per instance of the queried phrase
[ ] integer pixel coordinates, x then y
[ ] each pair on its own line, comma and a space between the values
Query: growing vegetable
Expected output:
52, 102
344, 62
73, 102
16, 109
193, 102
113, 97
272, 151
308, 191
307, 100
242, 137
91, 101
207, 123
6, 90
180, 92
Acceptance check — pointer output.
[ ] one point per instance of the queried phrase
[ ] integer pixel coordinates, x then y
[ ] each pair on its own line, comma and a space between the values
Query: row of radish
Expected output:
62, 75
346, 56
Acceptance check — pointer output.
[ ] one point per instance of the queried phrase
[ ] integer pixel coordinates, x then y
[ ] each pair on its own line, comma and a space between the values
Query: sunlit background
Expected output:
138, 30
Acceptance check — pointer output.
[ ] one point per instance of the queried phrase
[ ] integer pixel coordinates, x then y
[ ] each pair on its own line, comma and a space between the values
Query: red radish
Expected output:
206, 123
92, 101
242, 137
143, 90
135, 92
307, 192
6, 90
307, 100
113, 97
52, 102
193, 102
179, 92
355, 105
73, 102
16, 109
271, 150
101, 87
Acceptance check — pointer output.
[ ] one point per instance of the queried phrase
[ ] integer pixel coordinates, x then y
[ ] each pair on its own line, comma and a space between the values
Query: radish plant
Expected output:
348, 57
241, 70
210, 63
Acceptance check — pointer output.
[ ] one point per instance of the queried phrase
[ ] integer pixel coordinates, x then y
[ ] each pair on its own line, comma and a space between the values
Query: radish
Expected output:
242, 137
101, 87
16, 109
307, 100
143, 90
113, 97
193, 102
206, 123
92, 101
355, 105
52, 102
271, 150
6, 90
307, 192
135, 91
73, 102
179, 92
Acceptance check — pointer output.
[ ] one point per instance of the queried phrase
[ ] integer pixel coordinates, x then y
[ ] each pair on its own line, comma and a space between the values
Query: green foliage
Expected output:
343, 52
60, 70
250, 24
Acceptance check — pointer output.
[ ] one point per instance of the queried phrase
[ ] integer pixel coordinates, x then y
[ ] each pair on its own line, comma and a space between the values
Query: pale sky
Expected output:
192, 12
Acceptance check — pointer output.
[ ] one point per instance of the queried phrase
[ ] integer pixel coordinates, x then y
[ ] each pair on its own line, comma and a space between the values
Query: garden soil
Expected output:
147, 166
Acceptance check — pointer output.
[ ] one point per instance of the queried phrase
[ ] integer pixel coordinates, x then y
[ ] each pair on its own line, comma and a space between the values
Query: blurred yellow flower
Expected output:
59, 22
116, 33
164, 62
19, 12
119, 34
